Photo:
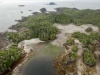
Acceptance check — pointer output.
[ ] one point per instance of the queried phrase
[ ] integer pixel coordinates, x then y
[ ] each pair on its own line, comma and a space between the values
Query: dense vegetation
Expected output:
88, 42
8, 57
85, 39
89, 58
73, 54
62, 18
18, 37
79, 17
41, 24
74, 48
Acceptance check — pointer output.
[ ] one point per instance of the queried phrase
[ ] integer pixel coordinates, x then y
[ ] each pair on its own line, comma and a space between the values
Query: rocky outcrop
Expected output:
52, 3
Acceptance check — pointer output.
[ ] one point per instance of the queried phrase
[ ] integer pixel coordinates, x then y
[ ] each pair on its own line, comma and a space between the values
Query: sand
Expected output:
29, 45
65, 31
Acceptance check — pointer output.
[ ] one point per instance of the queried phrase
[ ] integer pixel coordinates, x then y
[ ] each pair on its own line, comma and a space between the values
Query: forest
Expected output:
84, 16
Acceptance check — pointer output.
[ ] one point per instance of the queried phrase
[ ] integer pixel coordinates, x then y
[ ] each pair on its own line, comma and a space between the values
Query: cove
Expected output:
42, 63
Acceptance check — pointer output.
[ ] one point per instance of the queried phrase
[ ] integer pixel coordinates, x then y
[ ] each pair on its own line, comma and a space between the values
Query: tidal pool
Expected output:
40, 66
41, 63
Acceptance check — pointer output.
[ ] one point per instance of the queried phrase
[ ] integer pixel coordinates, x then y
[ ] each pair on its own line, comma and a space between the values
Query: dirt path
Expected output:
80, 65
98, 64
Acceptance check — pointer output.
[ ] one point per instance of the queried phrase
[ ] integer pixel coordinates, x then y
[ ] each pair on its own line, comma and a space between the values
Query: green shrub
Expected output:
75, 48
89, 58
70, 41
8, 57
73, 56
89, 29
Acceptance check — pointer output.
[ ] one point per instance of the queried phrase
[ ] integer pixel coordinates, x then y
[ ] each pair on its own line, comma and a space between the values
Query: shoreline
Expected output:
14, 65
21, 61
17, 69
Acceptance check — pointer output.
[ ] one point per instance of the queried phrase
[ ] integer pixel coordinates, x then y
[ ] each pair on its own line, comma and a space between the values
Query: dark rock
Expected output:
21, 11
21, 5
52, 3
35, 13
43, 10
29, 10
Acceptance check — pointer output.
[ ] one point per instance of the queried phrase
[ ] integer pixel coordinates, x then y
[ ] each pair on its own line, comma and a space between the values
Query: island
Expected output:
72, 34
52, 3
21, 5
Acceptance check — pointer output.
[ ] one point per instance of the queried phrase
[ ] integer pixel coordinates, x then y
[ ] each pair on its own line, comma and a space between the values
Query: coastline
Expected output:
21, 61
26, 55
14, 65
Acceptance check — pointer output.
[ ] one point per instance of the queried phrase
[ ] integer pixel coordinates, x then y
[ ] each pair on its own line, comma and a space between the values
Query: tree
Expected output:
89, 29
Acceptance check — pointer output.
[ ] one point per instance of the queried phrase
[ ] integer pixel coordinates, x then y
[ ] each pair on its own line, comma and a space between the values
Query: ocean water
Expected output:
9, 11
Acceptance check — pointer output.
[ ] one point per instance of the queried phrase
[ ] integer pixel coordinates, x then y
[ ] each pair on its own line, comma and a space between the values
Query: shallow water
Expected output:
40, 66
42, 62
9, 12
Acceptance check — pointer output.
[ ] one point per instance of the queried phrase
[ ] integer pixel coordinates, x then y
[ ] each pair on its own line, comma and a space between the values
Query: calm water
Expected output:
42, 65
9, 12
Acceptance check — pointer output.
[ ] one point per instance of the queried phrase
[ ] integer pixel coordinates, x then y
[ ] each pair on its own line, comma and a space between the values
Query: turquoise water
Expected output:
9, 12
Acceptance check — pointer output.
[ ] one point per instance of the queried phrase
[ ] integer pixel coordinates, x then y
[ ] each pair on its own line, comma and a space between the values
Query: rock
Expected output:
52, 3
43, 10
21, 5
35, 13
29, 10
